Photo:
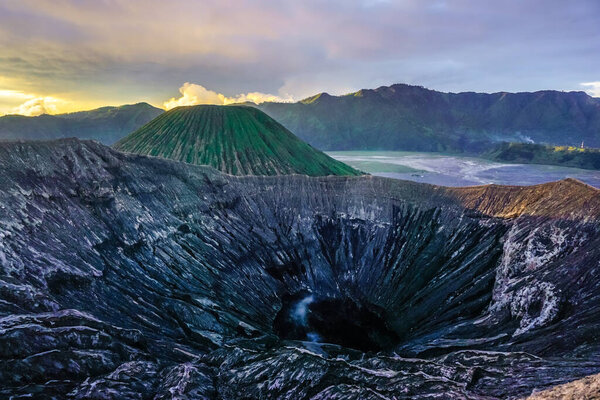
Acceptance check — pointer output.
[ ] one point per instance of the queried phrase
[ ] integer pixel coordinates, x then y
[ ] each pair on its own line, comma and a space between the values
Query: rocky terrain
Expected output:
134, 277
587, 388
105, 124
238, 140
413, 118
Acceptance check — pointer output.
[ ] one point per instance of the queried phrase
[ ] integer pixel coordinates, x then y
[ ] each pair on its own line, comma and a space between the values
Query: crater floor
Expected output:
136, 277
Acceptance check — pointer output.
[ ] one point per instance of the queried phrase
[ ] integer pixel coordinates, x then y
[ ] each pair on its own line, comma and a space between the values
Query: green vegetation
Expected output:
239, 140
106, 124
527, 153
412, 118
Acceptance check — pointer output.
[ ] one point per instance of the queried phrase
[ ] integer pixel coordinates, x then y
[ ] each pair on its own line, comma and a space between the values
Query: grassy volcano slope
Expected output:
237, 140
530, 153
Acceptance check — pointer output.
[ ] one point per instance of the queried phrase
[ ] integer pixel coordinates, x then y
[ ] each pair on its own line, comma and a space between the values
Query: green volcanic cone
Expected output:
238, 140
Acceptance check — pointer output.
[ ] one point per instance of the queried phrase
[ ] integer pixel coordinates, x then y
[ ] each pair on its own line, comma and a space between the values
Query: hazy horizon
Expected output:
166, 108
70, 55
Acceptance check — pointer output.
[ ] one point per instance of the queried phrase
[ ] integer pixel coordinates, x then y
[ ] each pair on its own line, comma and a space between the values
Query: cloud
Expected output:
41, 105
30, 104
594, 88
14, 94
20, 102
116, 51
192, 94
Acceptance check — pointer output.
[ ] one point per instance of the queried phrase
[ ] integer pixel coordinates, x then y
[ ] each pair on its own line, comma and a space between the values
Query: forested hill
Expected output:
404, 117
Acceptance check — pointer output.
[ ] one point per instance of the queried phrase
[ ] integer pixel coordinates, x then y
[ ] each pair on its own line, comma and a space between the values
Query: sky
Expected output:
66, 55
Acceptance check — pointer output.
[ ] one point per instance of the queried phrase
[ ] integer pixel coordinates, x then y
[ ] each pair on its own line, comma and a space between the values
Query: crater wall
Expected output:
141, 276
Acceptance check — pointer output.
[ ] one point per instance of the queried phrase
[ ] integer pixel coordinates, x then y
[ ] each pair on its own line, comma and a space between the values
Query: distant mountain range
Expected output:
238, 140
404, 117
106, 124
397, 117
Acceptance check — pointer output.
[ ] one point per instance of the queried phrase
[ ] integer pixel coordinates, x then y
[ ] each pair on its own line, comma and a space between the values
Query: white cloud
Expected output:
256, 97
594, 88
41, 105
14, 94
30, 104
192, 94
13, 101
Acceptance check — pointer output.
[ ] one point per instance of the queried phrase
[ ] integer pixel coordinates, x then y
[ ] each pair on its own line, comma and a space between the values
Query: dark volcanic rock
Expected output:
126, 276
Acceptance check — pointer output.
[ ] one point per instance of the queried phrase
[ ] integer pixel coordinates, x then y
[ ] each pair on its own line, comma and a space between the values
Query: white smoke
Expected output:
299, 315
594, 90
40, 105
192, 94
301, 310
29, 104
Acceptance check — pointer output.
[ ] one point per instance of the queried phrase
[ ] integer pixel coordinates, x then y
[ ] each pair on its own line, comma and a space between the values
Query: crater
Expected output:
398, 286
440, 290
308, 317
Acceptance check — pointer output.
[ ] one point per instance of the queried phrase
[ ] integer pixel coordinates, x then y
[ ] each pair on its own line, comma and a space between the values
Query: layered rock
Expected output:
136, 277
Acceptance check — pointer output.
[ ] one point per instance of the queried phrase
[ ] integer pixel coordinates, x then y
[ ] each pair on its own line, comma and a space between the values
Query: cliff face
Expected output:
127, 276
404, 117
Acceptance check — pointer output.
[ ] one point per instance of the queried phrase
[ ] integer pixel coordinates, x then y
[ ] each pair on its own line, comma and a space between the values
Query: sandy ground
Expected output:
587, 388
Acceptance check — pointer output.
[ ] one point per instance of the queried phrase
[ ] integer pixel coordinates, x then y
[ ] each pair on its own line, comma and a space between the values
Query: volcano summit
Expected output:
238, 140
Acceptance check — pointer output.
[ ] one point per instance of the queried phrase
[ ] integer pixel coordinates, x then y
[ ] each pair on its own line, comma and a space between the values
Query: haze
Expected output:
62, 56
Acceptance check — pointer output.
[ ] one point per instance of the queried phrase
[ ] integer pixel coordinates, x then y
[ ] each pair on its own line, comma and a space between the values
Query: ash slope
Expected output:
134, 277
237, 140
586, 388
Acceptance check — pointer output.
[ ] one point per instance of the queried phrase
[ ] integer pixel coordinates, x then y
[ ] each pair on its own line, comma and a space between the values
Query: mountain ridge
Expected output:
396, 117
414, 118
575, 197
568, 198
105, 124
